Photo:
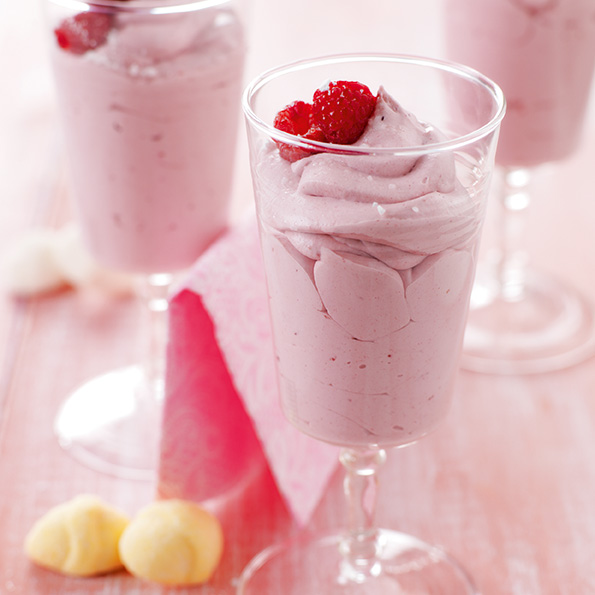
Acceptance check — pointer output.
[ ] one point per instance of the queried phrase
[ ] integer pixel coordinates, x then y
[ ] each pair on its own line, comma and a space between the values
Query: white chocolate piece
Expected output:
29, 267
49, 259
173, 542
79, 537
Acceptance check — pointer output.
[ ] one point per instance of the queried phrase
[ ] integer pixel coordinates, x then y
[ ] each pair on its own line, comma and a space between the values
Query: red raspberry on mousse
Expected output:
342, 110
338, 114
83, 32
296, 119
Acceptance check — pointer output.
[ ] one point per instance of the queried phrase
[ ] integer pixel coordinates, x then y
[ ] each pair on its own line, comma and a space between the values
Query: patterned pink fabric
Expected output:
221, 377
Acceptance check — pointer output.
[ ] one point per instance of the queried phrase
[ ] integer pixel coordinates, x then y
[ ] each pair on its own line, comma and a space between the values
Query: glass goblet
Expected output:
523, 320
149, 94
369, 252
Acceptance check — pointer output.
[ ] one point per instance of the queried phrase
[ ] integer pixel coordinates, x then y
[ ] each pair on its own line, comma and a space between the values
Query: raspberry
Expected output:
84, 31
296, 119
342, 110
338, 114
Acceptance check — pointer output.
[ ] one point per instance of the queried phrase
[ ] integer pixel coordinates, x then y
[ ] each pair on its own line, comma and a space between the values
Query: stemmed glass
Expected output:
149, 94
369, 252
542, 54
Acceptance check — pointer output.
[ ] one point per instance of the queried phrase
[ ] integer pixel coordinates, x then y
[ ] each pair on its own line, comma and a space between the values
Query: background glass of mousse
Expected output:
149, 94
369, 252
542, 54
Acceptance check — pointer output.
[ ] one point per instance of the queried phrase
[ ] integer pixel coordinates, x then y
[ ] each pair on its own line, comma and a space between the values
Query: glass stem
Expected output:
360, 544
512, 262
155, 292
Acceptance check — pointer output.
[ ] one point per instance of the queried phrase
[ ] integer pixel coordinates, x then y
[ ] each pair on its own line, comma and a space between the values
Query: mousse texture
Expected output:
369, 261
542, 54
150, 119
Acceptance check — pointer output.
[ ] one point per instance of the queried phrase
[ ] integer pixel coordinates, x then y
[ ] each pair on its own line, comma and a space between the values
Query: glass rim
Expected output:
447, 145
140, 6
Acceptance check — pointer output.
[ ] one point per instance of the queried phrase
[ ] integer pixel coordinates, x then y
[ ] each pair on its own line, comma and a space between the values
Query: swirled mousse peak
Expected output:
378, 177
376, 202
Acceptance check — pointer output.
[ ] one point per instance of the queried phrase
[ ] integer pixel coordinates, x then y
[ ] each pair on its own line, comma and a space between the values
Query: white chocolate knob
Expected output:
79, 537
173, 542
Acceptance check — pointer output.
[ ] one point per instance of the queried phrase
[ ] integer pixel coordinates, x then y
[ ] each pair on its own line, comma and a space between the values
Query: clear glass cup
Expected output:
542, 54
369, 252
149, 93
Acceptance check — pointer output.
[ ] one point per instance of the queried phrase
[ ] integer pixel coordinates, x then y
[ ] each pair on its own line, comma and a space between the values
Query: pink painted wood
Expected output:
507, 484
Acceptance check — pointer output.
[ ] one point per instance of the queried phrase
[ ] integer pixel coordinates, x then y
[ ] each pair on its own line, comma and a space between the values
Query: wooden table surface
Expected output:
507, 484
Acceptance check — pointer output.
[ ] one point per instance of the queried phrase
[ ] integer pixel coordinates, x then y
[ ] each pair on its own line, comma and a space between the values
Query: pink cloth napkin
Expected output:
222, 411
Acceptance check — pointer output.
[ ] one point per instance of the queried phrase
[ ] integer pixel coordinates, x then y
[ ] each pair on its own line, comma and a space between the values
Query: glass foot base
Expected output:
546, 327
405, 566
112, 424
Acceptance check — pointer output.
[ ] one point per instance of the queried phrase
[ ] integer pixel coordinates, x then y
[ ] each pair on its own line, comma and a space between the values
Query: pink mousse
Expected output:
369, 262
542, 54
150, 119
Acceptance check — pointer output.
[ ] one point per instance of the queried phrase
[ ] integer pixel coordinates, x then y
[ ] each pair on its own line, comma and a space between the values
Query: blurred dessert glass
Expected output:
149, 94
542, 53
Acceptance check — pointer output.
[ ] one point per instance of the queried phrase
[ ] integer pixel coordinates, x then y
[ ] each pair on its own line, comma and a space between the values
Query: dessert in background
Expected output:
542, 54
149, 94
150, 113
